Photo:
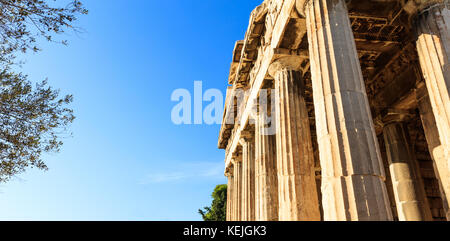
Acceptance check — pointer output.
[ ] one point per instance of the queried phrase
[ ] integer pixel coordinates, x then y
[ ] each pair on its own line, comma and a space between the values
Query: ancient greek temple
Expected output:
340, 110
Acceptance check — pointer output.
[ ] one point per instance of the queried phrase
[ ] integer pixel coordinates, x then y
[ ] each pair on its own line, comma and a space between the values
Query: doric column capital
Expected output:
395, 116
237, 156
229, 171
247, 136
285, 63
300, 5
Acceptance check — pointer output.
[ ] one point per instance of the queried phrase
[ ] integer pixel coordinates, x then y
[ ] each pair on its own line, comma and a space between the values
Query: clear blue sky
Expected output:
126, 159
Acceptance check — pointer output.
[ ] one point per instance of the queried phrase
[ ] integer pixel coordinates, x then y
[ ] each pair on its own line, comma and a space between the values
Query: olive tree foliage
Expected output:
34, 118
218, 209
32, 121
23, 21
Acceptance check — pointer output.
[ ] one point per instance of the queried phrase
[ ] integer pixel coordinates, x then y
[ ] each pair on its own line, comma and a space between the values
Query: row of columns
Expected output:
274, 179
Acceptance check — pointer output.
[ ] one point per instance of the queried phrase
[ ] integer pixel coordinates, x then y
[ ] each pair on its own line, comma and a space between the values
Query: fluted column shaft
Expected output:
237, 204
433, 45
408, 188
266, 173
435, 148
353, 185
234, 195
248, 179
298, 199
229, 216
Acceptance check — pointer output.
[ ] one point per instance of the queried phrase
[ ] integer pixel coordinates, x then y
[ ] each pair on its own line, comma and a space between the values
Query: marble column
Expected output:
353, 177
298, 199
433, 46
237, 204
434, 146
227, 215
409, 193
248, 177
230, 185
234, 195
266, 172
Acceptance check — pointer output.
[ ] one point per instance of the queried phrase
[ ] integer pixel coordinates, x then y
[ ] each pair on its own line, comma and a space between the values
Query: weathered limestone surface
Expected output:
353, 185
248, 179
409, 192
433, 45
230, 185
354, 51
238, 190
266, 173
435, 148
298, 199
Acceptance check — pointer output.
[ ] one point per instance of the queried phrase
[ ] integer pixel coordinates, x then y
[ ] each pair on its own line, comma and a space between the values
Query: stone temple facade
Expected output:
361, 112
